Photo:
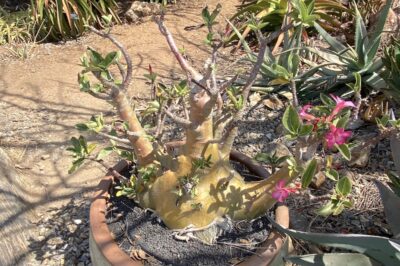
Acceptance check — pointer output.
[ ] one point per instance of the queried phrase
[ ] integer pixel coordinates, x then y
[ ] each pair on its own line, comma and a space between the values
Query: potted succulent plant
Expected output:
197, 188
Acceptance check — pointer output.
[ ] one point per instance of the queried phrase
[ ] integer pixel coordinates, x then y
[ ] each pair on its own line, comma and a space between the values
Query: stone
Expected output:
278, 149
45, 157
72, 228
318, 180
361, 158
77, 221
273, 103
55, 241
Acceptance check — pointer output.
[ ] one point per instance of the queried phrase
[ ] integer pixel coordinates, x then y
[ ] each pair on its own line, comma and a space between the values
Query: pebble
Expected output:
77, 221
45, 157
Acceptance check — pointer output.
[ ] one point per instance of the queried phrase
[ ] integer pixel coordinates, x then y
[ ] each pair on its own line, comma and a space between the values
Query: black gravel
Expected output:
146, 232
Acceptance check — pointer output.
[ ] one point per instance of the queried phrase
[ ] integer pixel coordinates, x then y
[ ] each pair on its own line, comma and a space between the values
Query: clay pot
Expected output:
104, 251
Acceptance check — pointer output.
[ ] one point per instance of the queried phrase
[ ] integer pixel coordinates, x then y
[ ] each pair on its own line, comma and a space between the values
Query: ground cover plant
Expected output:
198, 187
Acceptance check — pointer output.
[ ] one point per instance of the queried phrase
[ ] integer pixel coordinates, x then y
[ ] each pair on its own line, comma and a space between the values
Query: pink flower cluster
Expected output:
281, 192
335, 135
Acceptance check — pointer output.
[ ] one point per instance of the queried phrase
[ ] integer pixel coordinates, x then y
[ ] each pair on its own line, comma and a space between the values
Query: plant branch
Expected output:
128, 77
180, 121
174, 49
117, 139
100, 96
111, 170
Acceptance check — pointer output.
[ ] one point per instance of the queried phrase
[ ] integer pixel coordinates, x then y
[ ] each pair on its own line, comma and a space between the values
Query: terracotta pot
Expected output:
104, 251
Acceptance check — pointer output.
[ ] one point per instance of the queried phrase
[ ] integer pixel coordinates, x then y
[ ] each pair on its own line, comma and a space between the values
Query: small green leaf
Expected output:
104, 153
344, 150
326, 100
206, 15
332, 174
306, 130
338, 209
343, 186
342, 122
82, 127
309, 173
291, 120
110, 59
75, 165
326, 210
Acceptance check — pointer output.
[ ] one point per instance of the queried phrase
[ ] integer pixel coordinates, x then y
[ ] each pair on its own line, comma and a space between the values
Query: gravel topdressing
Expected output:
136, 229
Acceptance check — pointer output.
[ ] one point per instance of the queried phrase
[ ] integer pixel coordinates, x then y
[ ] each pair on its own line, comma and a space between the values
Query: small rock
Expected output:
363, 219
318, 180
55, 241
81, 264
72, 228
45, 157
40, 238
254, 99
43, 231
360, 159
273, 103
277, 149
77, 221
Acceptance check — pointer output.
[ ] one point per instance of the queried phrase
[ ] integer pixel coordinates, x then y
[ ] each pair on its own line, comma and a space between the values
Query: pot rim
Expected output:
116, 256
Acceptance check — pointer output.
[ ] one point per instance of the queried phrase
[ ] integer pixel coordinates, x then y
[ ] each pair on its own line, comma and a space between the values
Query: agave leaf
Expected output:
333, 259
361, 37
376, 35
336, 45
381, 249
395, 147
375, 81
391, 204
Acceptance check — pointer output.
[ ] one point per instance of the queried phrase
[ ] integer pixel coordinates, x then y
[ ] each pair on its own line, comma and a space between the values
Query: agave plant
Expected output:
361, 59
391, 73
272, 13
61, 19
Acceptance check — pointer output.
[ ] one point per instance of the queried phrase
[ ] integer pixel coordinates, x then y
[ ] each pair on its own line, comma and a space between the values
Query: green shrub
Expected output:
15, 27
63, 19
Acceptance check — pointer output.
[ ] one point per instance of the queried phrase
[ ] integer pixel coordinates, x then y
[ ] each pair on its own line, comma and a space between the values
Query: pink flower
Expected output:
340, 104
281, 192
304, 115
336, 136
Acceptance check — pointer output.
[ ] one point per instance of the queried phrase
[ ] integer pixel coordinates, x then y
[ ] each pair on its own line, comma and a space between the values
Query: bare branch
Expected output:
227, 84
185, 110
100, 96
121, 70
181, 121
256, 68
174, 49
117, 139
128, 77
112, 171
105, 82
